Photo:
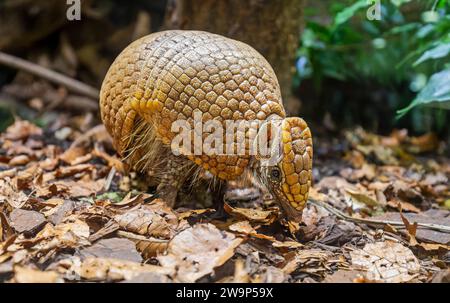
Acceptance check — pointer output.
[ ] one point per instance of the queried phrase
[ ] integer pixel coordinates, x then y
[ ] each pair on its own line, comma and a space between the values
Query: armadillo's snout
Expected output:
296, 163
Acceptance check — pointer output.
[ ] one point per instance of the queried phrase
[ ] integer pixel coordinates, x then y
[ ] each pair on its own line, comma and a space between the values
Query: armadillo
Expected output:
171, 76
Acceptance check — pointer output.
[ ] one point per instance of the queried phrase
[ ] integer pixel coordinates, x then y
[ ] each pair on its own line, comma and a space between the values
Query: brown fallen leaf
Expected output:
67, 171
26, 221
111, 160
386, 262
48, 164
384, 155
69, 155
130, 200
8, 173
433, 247
423, 234
362, 197
442, 277
194, 212
109, 269
367, 171
22, 129
28, 275
11, 195
408, 207
245, 228
241, 275
269, 274
343, 276
410, 228
70, 189
72, 233
308, 260
148, 277
62, 209
150, 248
115, 248
425, 143
196, 251
145, 221
253, 215
19, 160
404, 191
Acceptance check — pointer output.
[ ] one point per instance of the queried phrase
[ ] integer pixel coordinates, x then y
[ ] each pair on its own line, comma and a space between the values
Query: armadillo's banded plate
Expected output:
167, 76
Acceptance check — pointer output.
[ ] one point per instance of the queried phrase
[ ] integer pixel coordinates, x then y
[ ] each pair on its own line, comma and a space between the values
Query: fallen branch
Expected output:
37, 70
377, 223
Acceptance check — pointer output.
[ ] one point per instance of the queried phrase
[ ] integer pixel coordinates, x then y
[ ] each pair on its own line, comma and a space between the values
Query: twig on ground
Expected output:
37, 70
111, 174
140, 237
378, 223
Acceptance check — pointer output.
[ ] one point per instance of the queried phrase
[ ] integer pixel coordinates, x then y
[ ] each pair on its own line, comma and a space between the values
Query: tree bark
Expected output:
271, 27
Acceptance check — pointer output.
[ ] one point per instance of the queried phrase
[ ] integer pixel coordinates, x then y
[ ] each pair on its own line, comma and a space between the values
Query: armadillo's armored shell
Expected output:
167, 76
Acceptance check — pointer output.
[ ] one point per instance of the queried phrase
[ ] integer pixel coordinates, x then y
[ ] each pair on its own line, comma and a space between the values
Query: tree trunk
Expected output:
272, 27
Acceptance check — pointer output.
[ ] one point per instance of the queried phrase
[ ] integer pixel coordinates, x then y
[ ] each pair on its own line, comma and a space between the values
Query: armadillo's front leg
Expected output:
218, 197
172, 178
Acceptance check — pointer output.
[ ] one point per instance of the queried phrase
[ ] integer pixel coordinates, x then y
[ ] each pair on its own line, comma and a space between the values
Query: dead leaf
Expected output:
194, 212
308, 260
386, 262
408, 207
11, 195
22, 129
109, 269
72, 233
28, 275
433, 247
19, 160
111, 160
424, 143
423, 234
72, 154
115, 248
27, 221
244, 228
344, 276
265, 217
363, 198
442, 277
145, 221
196, 251
67, 171
240, 273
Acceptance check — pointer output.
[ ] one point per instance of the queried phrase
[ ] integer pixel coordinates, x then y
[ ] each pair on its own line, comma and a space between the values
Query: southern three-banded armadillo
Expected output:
172, 75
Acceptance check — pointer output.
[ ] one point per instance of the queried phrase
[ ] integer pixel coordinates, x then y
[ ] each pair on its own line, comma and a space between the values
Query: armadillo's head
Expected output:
288, 176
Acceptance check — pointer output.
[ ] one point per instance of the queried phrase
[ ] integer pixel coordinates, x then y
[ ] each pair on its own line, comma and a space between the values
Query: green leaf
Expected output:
399, 3
404, 28
349, 12
437, 52
436, 93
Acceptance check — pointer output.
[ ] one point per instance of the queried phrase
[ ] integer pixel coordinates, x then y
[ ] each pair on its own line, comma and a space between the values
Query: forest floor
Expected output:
69, 212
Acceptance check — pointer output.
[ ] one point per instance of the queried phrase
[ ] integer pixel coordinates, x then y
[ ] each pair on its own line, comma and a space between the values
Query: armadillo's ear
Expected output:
267, 144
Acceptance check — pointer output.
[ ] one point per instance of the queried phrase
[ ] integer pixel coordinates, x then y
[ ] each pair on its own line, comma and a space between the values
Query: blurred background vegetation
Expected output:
337, 68
352, 70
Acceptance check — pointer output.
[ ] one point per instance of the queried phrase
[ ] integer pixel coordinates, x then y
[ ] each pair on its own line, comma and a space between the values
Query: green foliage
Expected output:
6, 117
344, 15
435, 93
409, 44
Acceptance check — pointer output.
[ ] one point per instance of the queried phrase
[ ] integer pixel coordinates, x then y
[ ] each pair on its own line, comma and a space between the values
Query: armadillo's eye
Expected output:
275, 174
